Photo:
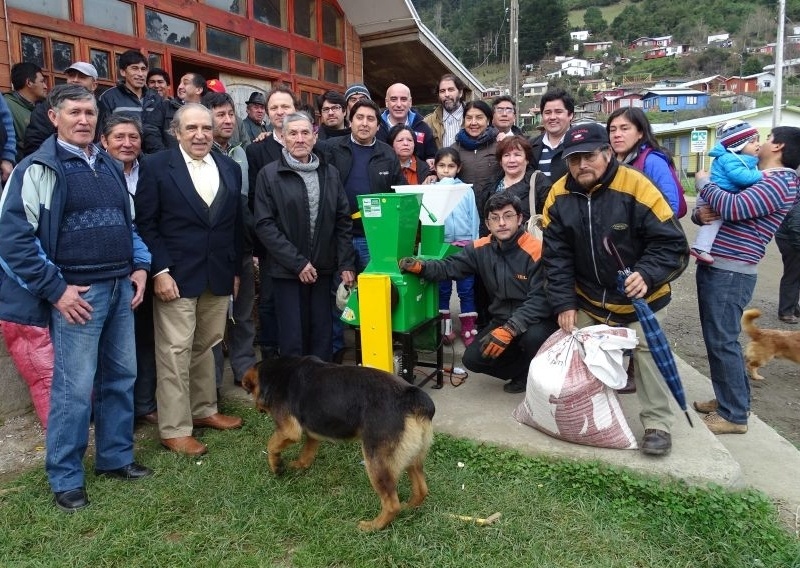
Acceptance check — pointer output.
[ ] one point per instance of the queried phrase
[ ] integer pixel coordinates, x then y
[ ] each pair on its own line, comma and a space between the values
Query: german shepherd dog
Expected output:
767, 344
335, 402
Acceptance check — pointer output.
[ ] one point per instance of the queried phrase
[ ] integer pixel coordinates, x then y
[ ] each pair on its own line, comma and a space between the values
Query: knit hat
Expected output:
735, 134
357, 89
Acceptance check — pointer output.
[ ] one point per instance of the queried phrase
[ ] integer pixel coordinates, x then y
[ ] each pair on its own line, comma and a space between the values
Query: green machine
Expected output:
391, 222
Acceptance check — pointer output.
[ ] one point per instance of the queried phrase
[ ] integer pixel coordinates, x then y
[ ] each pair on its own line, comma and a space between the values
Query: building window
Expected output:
169, 29
109, 15
272, 56
305, 21
154, 60
767, 84
305, 65
33, 50
54, 8
270, 12
225, 44
334, 73
672, 100
101, 61
233, 6
691, 100
62, 56
331, 26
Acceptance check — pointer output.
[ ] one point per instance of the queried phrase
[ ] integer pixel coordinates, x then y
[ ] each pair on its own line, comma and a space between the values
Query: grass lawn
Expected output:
609, 13
226, 509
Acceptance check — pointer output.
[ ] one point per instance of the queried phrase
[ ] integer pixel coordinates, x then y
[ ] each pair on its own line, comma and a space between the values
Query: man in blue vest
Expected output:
72, 260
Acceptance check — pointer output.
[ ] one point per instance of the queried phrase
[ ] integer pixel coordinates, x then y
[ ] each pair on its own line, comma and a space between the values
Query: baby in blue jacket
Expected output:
735, 167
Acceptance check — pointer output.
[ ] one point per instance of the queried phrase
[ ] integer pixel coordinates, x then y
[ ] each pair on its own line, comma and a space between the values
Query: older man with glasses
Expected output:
597, 200
508, 262
505, 116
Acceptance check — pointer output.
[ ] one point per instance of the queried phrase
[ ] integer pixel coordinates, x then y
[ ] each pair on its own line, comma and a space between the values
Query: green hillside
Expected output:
476, 31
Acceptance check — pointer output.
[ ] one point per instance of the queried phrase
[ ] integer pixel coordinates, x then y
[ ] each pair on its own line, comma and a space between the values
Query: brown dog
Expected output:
335, 402
767, 344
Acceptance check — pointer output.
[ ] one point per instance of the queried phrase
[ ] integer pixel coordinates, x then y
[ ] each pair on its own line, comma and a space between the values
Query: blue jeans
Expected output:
95, 365
466, 294
362, 260
722, 296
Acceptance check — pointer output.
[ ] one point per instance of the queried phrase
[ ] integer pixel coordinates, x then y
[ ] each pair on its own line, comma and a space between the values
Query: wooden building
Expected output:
311, 45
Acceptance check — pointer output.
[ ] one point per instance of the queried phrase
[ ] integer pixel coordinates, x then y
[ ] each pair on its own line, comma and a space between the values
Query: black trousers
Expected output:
303, 314
514, 362
144, 389
789, 290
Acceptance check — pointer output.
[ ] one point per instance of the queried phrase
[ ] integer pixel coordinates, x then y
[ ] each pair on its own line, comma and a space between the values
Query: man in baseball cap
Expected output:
600, 199
40, 128
83, 68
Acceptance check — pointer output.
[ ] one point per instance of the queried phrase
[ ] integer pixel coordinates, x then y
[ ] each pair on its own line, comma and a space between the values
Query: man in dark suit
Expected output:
188, 211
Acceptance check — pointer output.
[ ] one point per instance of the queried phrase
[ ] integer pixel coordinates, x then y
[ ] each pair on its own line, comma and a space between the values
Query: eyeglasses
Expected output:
504, 110
508, 217
332, 108
588, 157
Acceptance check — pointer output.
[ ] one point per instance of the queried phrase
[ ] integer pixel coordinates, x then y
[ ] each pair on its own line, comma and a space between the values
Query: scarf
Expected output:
307, 171
469, 143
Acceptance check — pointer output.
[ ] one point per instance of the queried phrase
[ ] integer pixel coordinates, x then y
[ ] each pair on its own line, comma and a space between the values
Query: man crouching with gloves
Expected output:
507, 262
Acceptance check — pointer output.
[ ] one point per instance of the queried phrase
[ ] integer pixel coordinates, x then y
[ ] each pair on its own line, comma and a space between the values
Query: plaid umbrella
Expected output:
656, 340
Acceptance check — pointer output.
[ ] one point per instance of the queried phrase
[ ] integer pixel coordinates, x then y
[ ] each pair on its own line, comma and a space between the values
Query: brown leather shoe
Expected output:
186, 445
218, 422
150, 418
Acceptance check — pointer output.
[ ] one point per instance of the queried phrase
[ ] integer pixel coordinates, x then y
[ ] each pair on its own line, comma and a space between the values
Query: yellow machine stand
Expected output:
375, 308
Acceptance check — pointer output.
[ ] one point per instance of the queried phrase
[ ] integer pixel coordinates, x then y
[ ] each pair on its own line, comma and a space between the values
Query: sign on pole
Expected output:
699, 145
699, 141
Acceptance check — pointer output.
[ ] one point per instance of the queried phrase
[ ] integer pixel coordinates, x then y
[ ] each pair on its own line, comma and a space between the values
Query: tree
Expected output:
625, 27
752, 65
543, 29
593, 19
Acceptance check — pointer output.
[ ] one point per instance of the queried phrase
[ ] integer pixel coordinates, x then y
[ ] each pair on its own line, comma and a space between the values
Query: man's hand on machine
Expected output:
493, 344
410, 264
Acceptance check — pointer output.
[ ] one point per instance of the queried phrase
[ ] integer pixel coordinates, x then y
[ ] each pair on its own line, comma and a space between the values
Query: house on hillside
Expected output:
595, 46
534, 89
575, 67
595, 85
610, 103
581, 35
757, 83
667, 100
643, 42
655, 53
768, 49
713, 85
717, 38
494, 92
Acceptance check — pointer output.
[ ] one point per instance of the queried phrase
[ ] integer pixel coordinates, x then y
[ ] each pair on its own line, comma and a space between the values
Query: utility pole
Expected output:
513, 57
777, 96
